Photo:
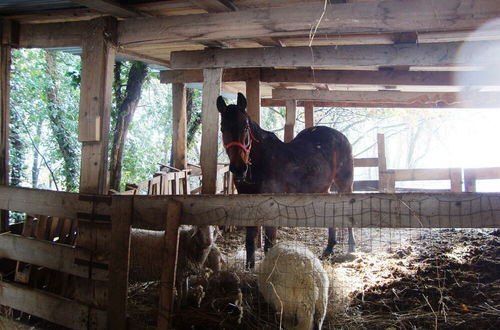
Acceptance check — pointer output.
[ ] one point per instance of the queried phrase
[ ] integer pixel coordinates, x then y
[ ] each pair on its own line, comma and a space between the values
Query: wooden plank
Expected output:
95, 105
52, 255
120, 258
473, 174
334, 57
179, 125
253, 97
392, 210
365, 185
425, 174
50, 307
397, 78
5, 61
366, 162
214, 6
371, 17
59, 204
52, 35
291, 113
112, 8
395, 99
309, 114
169, 262
210, 129
196, 75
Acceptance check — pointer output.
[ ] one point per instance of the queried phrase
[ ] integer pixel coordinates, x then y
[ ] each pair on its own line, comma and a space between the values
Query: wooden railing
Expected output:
471, 175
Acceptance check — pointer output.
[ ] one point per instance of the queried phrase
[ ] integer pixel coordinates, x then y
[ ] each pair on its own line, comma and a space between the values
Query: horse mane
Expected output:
261, 134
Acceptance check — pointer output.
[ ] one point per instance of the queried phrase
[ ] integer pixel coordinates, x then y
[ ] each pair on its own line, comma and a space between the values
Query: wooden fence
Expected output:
105, 272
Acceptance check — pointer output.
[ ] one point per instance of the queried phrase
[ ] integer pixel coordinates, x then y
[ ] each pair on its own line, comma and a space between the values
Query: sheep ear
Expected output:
221, 104
242, 102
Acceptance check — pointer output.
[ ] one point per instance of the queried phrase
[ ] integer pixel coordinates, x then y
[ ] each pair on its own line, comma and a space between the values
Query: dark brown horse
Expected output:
261, 163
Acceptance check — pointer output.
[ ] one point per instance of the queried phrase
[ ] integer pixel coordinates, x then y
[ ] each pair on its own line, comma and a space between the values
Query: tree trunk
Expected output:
61, 134
125, 113
35, 170
193, 117
17, 150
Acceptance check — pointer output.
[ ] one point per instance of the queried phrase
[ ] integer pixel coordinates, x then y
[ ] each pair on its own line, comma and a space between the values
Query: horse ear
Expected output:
221, 104
242, 101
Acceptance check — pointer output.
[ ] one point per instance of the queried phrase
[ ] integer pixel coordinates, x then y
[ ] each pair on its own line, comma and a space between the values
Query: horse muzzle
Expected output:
239, 172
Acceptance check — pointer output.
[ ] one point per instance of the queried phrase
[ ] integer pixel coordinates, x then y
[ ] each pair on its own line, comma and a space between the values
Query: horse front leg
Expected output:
269, 237
351, 243
332, 240
250, 247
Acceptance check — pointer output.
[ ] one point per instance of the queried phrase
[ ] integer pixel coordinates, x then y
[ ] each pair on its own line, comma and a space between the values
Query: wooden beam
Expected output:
309, 114
366, 162
425, 174
342, 77
55, 256
409, 210
95, 105
109, 7
141, 57
121, 221
52, 35
341, 57
169, 262
215, 6
210, 129
394, 99
53, 308
371, 17
291, 113
253, 97
5, 61
179, 124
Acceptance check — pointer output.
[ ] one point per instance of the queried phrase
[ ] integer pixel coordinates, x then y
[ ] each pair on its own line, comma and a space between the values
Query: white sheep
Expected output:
195, 246
292, 280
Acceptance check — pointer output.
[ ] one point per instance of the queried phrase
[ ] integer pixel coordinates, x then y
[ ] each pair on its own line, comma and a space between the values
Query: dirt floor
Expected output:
397, 279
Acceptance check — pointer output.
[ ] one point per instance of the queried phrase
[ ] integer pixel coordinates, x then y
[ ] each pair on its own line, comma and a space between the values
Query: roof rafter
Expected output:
109, 7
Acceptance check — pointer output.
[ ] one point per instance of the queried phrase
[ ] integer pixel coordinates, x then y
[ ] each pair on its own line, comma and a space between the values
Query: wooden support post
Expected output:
253, 97
5, 58
121, 219
95, 104
210, 129
167, 281
309, 114
179, 125
291, 111
385, 178
456, 180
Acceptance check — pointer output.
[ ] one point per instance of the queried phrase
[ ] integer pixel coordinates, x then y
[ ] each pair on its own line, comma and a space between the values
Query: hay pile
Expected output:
449, 279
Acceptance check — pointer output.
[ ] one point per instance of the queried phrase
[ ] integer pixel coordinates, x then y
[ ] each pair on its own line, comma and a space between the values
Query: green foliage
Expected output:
30, 107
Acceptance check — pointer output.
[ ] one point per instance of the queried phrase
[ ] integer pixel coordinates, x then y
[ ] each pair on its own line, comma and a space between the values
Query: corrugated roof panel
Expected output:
14, 7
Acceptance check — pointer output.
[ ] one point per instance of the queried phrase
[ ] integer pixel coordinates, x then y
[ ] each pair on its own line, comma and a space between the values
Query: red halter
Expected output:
245, 147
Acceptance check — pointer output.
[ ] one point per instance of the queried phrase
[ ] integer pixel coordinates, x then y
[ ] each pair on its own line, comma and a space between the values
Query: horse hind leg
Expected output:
332, 240
269, 237
251, 234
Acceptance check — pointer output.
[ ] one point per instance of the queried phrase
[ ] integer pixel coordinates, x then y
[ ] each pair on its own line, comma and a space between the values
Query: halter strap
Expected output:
246, 148
238, 144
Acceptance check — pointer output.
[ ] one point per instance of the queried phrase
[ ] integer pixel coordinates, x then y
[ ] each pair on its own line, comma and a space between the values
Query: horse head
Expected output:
236, 135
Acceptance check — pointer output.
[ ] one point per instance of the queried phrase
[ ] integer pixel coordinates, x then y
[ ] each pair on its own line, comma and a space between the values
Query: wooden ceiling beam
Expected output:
391, 16
215, 6
109, 7
341, 77
335, 57
393, 99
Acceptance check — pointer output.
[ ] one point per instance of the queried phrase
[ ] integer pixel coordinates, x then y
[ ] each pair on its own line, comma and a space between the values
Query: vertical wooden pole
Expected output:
382, 164
179, 125
5, 59
309, 114
167, 281
98, 56
291, 111
253, 97
210, 129
121, 220
456, 180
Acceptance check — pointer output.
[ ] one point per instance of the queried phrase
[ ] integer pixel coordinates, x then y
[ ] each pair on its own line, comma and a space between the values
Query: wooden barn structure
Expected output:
349, 53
